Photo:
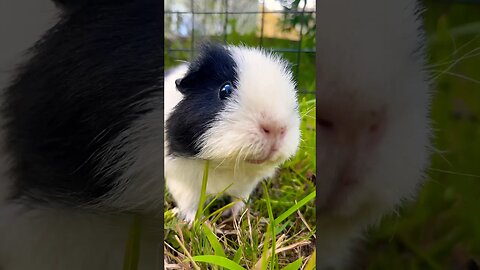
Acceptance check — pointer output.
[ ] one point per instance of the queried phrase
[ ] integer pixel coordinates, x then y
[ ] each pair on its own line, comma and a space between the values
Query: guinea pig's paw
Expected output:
176, 211
188, 216
234, 210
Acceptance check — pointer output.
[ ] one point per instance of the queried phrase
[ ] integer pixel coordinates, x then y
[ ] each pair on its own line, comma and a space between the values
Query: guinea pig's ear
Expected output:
187, 82
178, 83
213, 63
192, 79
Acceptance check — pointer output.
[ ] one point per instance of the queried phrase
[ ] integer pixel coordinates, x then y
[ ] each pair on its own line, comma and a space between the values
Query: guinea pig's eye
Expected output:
225, 90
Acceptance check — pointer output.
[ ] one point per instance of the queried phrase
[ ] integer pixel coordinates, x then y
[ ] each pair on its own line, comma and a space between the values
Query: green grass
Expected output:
277, 230
441, 230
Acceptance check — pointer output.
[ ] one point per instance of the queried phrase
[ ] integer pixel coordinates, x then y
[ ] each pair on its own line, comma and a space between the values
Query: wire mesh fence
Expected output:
284, 27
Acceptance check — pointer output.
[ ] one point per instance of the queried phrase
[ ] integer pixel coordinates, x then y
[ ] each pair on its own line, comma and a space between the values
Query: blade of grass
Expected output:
182, 246
132, 250
312, 261
218, 260
295, 207
238, 255
216, 197
281, 227
212, 238
203, 196
271, 223
218, 212
294, 265
262, 264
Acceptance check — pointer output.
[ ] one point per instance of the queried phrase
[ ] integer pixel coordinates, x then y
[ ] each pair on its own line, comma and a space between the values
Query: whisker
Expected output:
308, 111
438, 183
248, 152
457, 50
464, 57
461, 76
454, 63
236, 166
221, 163
455, 173
440, 153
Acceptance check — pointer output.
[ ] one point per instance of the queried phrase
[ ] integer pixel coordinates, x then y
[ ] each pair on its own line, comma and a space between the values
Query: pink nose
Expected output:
273, 130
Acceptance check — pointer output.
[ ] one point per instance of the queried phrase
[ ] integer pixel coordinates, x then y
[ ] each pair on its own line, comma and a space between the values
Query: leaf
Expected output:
295, 207
218, 260
280, 228
203, 195
212, 238
272, 223
238, 255
263, 262
294, 265
312, 262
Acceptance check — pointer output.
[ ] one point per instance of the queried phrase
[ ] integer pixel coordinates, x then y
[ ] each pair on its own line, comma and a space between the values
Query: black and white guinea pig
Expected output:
373, 130
82, 140
236, 107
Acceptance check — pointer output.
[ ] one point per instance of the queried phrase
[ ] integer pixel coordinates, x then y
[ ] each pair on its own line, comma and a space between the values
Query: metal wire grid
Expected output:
298, 50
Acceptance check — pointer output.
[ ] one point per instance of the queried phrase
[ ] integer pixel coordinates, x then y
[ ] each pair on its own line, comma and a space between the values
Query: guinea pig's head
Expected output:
239, 105
372, 117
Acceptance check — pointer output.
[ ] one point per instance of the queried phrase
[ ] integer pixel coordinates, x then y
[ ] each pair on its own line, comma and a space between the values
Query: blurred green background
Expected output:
441, 230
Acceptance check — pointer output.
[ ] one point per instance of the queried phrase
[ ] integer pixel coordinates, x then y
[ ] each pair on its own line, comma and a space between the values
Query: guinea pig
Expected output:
373, 128
81, 140
235, 107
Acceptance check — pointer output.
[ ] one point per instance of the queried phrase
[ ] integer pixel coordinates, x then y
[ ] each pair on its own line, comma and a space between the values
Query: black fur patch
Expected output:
191, 117
77, 93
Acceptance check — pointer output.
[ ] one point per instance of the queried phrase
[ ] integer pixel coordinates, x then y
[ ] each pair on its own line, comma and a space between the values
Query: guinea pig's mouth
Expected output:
269, 158
257, 161
270, 155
